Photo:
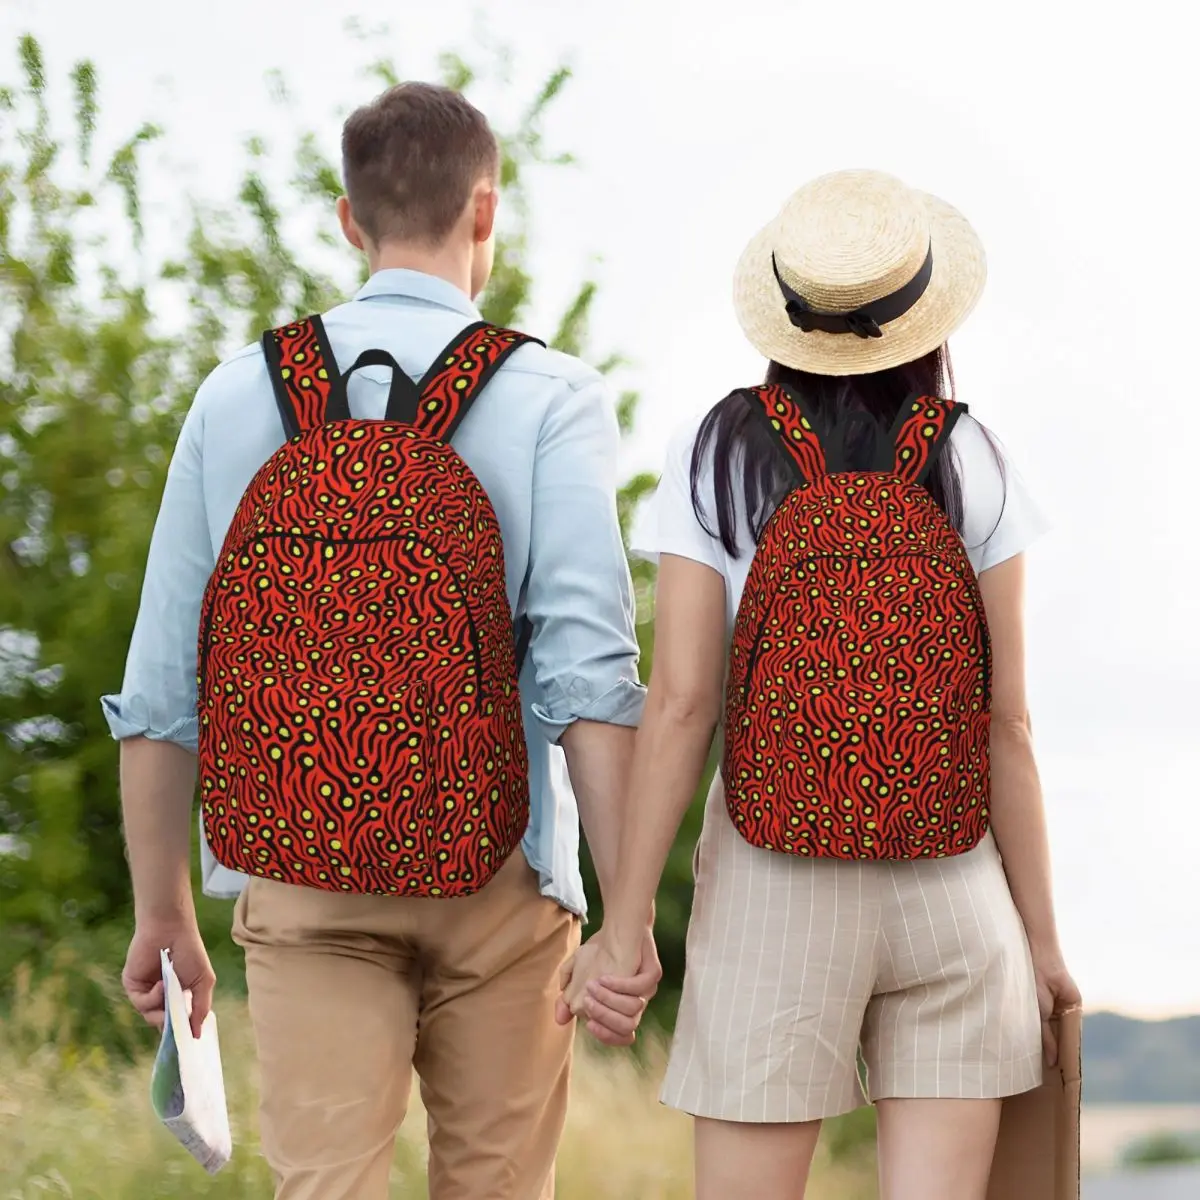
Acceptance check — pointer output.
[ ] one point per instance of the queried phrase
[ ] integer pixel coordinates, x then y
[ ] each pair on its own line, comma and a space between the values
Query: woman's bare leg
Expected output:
936, 1149
737, 1160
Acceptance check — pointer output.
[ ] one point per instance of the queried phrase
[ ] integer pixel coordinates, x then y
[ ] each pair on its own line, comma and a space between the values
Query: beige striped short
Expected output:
795, 966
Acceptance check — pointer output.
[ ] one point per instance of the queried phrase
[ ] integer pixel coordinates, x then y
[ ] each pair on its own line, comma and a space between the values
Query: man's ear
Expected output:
487, 198
350, 229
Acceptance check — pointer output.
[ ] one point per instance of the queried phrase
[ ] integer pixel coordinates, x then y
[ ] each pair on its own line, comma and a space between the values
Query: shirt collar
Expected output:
415, 285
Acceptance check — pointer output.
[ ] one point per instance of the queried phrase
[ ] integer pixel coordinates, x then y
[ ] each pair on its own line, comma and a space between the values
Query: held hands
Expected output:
609, 988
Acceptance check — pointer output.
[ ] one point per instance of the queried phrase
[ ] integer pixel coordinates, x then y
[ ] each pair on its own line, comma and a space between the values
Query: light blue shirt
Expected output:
543, 440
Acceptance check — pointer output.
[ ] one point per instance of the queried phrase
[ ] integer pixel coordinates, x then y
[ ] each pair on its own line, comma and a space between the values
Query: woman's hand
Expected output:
609, 988
1056, 992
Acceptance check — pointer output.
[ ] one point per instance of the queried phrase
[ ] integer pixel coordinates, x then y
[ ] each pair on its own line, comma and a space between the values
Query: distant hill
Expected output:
1126, 1061
1163, 1183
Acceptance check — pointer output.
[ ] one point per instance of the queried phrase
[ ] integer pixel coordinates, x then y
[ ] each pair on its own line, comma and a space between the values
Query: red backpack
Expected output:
859, 694
360, 721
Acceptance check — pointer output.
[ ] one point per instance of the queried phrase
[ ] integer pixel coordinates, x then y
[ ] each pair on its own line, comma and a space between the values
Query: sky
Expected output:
1065, 135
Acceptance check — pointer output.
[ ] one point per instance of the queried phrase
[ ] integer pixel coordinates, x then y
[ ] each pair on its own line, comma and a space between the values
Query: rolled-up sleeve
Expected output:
158, 695
579, 595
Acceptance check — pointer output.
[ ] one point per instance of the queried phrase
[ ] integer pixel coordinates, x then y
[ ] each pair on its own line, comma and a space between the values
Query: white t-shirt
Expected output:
1000, 518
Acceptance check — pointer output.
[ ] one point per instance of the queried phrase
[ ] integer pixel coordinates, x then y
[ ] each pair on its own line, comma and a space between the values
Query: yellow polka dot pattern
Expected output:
360, 725
857, 712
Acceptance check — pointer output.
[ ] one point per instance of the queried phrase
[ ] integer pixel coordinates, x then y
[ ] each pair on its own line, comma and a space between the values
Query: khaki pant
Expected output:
349, 993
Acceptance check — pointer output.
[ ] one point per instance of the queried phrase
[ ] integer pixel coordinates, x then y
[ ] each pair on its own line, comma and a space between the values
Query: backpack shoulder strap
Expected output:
783, 414
304, 375
921, 431
460, 373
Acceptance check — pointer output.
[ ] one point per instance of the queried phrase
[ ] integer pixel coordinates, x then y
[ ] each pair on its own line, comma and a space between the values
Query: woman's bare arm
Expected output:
1018, 816
683, 705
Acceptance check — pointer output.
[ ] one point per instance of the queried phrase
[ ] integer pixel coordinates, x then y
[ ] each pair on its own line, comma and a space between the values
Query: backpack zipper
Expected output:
985, 648
976, 605
278, 535
754, 653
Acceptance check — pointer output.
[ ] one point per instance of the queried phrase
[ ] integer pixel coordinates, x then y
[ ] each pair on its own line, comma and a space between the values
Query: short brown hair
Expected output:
410, 159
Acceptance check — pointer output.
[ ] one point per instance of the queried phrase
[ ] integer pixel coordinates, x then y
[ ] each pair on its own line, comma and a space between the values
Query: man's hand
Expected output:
609, 990
142, 977
158, 779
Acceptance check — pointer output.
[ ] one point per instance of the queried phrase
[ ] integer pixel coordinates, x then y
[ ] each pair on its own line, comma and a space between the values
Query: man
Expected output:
348, 992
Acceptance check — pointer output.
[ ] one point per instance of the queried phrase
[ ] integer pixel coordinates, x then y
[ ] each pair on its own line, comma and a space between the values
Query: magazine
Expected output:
187, 1087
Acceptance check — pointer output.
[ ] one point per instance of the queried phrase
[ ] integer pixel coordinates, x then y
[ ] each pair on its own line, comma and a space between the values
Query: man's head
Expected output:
421, 169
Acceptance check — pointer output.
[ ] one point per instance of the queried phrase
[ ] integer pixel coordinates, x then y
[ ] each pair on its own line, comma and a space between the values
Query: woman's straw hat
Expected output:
858, 273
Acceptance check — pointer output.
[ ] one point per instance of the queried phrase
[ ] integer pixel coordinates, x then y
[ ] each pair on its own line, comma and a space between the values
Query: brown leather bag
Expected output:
1037, 1153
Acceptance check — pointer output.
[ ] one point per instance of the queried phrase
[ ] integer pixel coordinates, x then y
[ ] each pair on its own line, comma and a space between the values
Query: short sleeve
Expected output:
1000, 517
668, 523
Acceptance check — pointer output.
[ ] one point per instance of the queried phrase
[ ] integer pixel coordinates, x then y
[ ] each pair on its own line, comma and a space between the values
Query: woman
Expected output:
864, 883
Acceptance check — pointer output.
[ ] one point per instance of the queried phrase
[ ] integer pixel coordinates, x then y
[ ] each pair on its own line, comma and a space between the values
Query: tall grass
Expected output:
74, 1123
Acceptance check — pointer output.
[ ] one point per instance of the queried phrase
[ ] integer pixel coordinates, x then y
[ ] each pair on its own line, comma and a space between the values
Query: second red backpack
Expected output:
857, 710
360, 721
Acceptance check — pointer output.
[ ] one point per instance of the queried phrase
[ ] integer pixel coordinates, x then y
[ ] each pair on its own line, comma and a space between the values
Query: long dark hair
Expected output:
854, 414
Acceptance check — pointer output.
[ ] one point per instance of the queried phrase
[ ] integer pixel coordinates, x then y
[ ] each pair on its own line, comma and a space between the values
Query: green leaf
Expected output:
385, 71
123, 171
614, 362
34, 65
60, 261
572, 328
257, 199
316, 177
550, 91
84, 79
277, 88
627, 411
455, 72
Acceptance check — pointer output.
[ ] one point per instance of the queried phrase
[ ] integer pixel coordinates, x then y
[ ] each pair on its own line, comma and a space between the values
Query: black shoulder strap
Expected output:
523, 632
402, 393
784, 415
304, 375
460, 373
921, 430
